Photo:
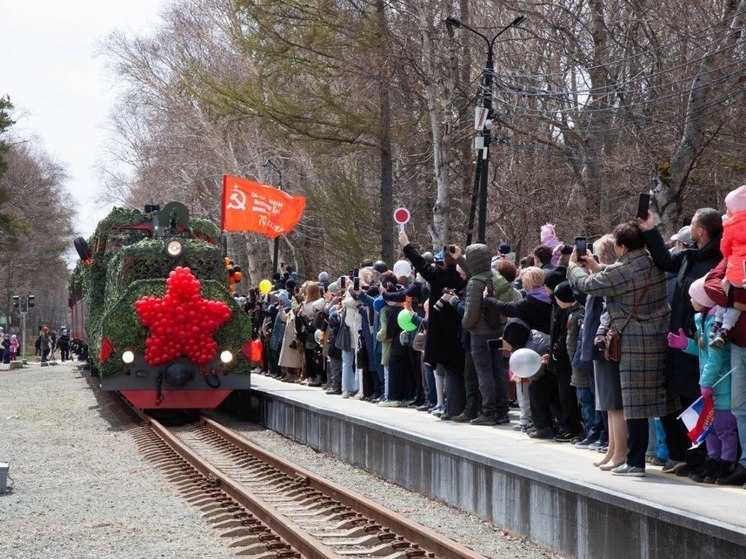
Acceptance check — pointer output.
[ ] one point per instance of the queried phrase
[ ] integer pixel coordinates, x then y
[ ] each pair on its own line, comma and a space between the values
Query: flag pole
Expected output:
721, 379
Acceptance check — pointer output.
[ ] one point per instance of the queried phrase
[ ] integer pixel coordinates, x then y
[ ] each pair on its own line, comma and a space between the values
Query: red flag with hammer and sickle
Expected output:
251, 206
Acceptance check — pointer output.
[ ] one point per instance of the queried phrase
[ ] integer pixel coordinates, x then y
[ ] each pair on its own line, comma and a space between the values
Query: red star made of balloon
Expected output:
182, 322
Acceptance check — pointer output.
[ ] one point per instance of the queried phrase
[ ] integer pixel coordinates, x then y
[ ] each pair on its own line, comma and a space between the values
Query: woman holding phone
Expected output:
637, 303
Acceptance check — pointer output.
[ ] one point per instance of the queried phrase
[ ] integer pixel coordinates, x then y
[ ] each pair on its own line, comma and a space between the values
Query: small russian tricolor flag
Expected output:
698, 419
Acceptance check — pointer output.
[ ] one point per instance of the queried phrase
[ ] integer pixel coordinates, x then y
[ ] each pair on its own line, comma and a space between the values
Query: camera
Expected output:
440, 303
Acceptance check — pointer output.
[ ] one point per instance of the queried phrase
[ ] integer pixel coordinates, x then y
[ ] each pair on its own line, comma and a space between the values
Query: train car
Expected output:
162, 328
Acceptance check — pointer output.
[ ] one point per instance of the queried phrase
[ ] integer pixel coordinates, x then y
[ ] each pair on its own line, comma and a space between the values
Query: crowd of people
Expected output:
631, 332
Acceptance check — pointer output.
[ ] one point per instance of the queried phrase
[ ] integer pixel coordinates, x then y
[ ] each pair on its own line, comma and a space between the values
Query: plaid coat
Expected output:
644, 342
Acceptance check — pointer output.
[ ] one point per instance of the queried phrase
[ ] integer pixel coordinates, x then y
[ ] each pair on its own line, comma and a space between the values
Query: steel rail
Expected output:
300, 540
416, 533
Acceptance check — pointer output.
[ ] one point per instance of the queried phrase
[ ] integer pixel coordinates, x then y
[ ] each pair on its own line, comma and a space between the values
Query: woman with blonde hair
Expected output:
536, 309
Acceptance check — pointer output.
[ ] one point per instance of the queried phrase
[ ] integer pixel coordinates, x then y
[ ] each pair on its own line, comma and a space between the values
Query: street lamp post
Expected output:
276, 248
483, 146
23, 303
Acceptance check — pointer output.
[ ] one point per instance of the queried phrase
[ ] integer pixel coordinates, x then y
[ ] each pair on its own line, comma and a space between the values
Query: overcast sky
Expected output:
62, 94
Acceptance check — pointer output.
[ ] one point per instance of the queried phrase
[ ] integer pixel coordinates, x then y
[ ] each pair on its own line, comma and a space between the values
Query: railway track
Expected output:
271, 508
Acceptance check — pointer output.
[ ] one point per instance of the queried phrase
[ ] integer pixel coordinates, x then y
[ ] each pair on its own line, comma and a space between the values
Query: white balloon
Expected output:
317, 336
525, 363
402, 268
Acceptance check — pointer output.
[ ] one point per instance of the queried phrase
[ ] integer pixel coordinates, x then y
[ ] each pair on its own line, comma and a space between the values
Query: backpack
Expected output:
501, 289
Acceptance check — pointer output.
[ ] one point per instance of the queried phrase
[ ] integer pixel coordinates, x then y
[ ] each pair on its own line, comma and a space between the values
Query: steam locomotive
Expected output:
150, 297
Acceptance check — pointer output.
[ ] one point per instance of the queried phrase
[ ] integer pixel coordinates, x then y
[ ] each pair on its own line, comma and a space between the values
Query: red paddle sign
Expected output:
401, 217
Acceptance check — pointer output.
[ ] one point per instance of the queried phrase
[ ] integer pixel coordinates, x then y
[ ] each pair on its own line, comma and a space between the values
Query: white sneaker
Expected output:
390, 404
345, 394
437, 411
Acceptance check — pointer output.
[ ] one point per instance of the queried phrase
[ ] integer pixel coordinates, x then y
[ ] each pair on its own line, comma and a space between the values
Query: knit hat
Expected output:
735, 201
697, 293
548, 235
554, 277
503, 248
380, 266
563, 292
323, 277
516, 333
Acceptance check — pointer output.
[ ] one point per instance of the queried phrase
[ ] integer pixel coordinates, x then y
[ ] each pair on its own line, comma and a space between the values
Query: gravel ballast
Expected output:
81, 488
466, 528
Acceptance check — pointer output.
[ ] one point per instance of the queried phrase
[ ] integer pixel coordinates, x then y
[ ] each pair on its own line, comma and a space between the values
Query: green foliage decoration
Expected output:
128, 265
123, 328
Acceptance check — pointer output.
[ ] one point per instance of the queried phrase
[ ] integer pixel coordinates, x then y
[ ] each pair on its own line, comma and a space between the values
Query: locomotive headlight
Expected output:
226, 357
128, 357
174, 248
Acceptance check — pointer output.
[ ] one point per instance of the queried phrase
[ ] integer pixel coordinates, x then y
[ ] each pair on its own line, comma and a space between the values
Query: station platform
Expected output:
547, 491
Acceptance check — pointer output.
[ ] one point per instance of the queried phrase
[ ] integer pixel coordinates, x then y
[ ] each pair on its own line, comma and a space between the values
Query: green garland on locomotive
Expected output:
128, 264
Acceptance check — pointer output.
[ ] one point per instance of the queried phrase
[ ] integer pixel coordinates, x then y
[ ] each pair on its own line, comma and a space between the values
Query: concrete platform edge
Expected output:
580, 520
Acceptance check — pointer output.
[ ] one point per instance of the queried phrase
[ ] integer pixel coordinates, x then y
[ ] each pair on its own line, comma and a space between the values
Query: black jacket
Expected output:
537, 314
688, 265
442, 344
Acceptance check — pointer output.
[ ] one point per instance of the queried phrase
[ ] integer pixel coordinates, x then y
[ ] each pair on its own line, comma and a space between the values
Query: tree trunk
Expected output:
384, 139
672, 176
440, 131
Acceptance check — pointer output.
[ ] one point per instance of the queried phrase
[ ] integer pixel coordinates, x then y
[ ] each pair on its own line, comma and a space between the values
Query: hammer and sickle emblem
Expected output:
237, 199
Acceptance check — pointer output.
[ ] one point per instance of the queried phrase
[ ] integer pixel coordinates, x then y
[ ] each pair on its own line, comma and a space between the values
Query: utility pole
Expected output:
483, 120
276, 248
23, 303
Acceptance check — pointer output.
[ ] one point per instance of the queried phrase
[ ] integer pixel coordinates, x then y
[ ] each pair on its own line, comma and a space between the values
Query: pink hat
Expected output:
548, 234
697, 293
735, 201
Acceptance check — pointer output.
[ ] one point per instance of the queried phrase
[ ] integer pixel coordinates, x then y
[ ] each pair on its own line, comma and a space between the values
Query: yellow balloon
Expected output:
265, 286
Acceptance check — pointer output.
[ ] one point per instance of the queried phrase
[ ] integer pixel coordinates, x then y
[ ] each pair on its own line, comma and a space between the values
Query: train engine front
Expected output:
162, 326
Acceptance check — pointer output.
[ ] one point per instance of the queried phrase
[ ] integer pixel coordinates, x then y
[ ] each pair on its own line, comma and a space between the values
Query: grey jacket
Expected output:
478, 259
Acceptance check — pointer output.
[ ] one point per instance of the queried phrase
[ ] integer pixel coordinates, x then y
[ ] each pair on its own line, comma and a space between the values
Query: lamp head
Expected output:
517, 21
453, 22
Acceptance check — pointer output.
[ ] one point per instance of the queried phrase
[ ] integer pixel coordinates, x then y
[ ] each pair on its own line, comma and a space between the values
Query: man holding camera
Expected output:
443, 350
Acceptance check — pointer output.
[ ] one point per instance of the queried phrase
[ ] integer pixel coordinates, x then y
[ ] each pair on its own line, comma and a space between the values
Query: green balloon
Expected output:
405, 321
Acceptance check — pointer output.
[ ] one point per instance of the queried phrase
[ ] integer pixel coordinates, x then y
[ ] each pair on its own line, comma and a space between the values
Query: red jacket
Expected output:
733, 247
715, 291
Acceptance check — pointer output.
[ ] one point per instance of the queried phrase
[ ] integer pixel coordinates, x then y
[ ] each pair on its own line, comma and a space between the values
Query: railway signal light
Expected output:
16, 301
31, 301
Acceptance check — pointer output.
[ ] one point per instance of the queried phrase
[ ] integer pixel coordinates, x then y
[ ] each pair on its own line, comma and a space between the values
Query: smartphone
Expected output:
445, 249
567, 249
581, 245
356, 283
495, 344
343, 282
355, 272
643, 205
687, 221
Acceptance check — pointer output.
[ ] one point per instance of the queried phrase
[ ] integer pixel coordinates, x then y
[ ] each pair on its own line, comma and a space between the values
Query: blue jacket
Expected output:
713, 363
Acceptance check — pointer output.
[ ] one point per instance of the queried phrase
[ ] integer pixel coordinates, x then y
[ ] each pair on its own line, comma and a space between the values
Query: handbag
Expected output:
420, 338
613, 338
